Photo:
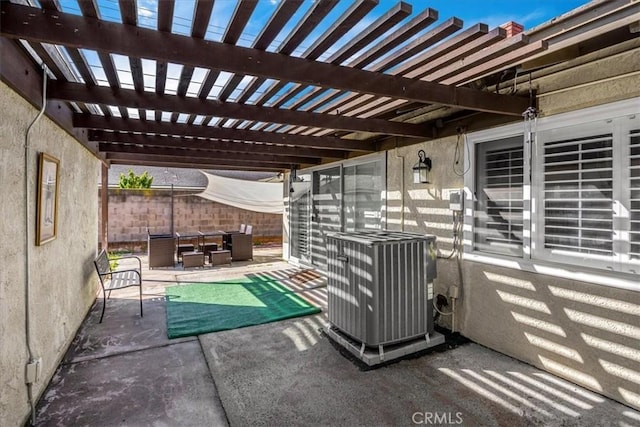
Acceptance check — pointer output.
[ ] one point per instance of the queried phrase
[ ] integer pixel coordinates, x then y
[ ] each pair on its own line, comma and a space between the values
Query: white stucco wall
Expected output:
61, 276
424, 208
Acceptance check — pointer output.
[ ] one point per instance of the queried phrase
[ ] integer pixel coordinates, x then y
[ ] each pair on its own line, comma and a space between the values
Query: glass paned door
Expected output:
326, 212
363, 186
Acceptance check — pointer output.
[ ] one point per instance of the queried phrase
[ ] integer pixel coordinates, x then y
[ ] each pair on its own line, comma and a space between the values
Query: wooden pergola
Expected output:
408, 77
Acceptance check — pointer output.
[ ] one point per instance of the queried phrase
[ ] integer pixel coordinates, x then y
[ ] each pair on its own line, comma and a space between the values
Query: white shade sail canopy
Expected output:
266, 197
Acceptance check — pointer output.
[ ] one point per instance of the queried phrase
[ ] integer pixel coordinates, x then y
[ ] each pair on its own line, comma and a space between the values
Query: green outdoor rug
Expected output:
200, 308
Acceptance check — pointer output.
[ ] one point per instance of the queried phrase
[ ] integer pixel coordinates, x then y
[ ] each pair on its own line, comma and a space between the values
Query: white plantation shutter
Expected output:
579, 202
300, 220
499, 220
634, 190
578, 195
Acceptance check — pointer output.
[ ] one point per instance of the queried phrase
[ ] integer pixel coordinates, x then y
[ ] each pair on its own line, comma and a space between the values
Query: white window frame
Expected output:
622, 117
501, 144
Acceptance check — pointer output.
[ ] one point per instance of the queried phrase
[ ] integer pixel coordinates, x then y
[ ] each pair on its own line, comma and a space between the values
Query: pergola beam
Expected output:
79, 32
305, 26
130, 161
164, 128
107, 147
212, 145
78, 92
383, 24
156, 160
26, 79
339, 28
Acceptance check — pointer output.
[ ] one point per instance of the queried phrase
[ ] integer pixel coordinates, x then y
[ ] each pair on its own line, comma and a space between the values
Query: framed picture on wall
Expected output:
47, 199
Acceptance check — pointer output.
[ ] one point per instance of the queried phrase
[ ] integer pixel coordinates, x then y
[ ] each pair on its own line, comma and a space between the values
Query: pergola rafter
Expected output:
177, 153
146, 127
194, 162
90, 33
211, 145
323, 93
147, 100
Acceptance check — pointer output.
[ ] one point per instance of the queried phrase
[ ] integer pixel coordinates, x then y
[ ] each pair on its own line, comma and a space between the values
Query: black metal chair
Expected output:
111, 280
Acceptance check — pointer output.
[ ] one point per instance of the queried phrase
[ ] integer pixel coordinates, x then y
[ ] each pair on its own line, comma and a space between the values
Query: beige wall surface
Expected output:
62, 285
132, 211
424, 208
586, 333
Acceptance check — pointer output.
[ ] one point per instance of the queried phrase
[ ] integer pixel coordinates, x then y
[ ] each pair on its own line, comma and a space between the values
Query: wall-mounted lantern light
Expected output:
421, 169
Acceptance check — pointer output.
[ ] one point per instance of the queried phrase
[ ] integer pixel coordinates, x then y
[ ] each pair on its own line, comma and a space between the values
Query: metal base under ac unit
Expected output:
383, 354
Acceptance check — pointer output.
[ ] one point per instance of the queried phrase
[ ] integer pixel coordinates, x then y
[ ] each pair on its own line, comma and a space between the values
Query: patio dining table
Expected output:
186, 247
203, 245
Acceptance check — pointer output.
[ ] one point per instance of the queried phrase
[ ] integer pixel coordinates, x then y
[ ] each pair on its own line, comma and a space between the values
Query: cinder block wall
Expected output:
131, 212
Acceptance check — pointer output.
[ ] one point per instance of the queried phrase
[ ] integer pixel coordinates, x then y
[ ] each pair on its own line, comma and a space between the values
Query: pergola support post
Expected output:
104, 198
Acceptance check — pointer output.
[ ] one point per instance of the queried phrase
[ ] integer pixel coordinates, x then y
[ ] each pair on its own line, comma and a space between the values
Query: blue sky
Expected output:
490, 12
496, 12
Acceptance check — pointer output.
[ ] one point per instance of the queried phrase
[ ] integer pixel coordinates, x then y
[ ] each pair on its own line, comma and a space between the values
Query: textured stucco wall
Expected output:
586, 333
424, 208
62, 283
132, 211
604, 79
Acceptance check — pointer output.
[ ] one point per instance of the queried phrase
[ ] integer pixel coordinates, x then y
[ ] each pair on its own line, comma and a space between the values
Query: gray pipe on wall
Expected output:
32, 364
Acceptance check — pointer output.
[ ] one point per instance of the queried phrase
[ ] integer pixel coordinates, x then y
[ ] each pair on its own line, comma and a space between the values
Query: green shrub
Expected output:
113, 260
131, 180
113, 257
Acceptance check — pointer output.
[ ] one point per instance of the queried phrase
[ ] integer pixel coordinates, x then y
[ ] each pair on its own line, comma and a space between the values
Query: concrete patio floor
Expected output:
126, 371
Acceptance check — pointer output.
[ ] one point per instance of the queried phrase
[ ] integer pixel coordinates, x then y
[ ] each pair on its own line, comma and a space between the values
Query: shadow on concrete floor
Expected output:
288, 373
125, 371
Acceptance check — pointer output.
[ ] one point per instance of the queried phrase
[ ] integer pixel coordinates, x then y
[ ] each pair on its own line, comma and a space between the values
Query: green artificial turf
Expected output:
200, 308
